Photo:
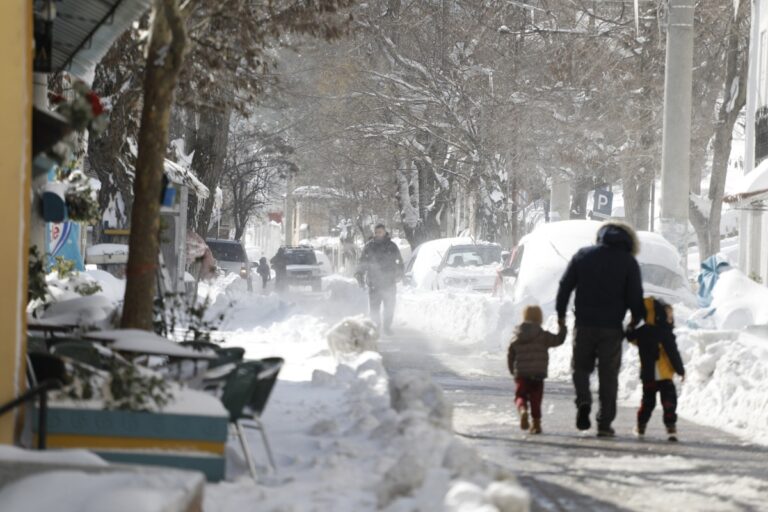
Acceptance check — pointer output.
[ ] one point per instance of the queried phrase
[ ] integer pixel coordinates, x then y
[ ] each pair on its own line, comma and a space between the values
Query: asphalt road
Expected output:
568, 471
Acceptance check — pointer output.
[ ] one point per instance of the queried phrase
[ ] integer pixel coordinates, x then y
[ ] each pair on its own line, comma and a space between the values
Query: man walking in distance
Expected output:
381, 266
607, 280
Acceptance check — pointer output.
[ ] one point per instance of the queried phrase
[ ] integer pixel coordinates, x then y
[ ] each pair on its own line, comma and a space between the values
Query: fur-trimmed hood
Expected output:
619, 234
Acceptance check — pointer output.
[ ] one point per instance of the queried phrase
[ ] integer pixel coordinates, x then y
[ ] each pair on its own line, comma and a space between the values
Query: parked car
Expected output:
230, 256
326, 268
541, 257
454, 263
303, 269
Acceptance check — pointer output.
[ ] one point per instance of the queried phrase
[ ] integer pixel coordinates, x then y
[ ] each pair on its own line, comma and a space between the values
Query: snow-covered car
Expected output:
454, 263
326, 268
230, 256
302, 268
542, 256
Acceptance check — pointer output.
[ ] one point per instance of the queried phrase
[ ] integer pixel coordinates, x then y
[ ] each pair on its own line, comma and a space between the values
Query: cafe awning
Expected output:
83, 31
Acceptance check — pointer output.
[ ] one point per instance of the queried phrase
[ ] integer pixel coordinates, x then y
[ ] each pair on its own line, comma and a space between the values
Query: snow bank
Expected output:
347, 437
78, 491
739, 301
468, 318
726, 376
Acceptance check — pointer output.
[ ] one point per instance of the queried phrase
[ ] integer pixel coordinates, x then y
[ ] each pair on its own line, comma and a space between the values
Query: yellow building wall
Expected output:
15, 168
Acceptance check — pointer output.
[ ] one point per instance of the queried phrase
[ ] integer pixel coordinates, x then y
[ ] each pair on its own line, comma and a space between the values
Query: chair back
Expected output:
200, 345
266, 379
226, 356
81, 351
239, 388
37, 345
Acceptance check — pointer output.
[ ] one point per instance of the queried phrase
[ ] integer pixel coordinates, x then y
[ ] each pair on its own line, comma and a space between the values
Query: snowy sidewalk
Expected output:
348, 438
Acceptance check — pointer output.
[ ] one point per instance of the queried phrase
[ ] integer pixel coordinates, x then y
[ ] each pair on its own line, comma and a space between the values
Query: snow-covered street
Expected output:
346, 461
564, 470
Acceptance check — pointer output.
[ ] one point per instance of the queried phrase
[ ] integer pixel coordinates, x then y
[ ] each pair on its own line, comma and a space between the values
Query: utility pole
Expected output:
288, 217
745, 241
676, 145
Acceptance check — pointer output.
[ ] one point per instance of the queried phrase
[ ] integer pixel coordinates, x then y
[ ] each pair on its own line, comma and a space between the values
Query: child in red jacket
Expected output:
659, 361
528, 361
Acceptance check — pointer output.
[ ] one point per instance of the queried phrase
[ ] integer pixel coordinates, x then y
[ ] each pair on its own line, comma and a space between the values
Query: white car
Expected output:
454, 263
326, 269
542, 256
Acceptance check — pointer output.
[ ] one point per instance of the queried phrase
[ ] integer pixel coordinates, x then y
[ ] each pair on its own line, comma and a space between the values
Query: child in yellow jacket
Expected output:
659, 361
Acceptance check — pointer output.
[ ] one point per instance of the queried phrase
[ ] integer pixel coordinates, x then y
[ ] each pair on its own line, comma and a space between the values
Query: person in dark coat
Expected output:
659, 362
264, 271
528, 362
607, 280
380, 267
280, 265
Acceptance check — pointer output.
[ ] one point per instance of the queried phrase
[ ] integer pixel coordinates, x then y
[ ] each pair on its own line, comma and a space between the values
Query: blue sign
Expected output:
63, 239
603, 206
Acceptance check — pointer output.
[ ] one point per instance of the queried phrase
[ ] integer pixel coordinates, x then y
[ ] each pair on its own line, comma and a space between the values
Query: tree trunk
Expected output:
164, 60
733, 102
208, 162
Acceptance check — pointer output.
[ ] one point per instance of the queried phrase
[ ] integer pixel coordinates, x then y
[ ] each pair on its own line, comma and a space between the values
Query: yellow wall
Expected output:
15, 168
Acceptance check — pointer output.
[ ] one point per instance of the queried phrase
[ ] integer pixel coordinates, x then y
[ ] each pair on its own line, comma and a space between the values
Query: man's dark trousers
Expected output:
604, 345
385, 295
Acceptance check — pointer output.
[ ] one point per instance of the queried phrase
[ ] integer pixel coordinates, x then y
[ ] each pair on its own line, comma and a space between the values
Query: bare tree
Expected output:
256, 165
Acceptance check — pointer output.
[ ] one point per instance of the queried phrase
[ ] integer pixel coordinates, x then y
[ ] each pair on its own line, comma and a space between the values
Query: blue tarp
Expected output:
711, 268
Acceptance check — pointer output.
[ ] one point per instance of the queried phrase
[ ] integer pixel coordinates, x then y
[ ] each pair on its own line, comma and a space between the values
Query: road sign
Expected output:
603, 205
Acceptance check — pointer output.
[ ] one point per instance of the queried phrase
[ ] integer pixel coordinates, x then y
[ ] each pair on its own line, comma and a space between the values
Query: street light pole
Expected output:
676, 144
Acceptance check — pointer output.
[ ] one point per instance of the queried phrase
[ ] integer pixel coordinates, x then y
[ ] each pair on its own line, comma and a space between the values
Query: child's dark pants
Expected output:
668, 394
529, 390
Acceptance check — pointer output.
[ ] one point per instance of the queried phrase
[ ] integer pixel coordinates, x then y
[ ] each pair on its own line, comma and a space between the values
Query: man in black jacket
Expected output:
607, 281
381, 265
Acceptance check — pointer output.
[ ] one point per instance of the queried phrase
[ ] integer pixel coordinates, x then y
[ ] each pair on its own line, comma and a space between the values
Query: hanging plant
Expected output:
84, 111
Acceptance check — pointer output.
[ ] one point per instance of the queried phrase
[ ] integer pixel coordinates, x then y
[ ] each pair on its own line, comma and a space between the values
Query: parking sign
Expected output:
603, 205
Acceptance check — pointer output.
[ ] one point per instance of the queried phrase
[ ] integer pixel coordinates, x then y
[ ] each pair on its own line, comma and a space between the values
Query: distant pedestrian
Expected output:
264, 271
280, 265
528, 362
607, 280
659, 362
380, 267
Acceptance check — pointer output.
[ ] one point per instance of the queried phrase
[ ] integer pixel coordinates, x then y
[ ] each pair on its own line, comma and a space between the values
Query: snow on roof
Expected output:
184, 176
316, 192
752, 186
84, 30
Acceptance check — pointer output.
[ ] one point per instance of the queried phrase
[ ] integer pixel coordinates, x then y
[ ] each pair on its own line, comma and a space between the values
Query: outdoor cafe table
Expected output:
141, 342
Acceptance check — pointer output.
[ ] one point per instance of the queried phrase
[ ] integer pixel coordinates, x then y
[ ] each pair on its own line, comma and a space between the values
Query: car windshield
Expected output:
664, 277
301, 258
473, 255
226, 251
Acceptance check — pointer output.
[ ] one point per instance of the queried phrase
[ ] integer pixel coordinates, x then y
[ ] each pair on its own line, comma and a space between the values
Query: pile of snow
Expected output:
468, 318
353, 336
79, 491
346, 437
739, 301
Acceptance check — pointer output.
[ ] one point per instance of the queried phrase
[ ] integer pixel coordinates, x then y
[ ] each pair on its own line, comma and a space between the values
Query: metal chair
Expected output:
80, 351
246, 392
